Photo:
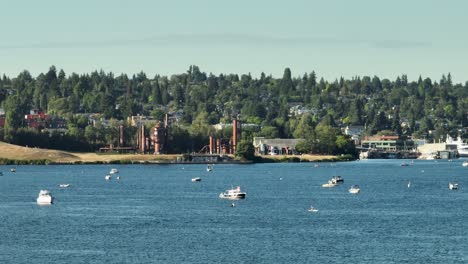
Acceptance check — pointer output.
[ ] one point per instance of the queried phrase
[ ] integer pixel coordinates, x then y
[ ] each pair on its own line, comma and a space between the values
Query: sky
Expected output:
333, 38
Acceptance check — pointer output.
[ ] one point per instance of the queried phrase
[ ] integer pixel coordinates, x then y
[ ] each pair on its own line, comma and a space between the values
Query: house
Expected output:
276, 146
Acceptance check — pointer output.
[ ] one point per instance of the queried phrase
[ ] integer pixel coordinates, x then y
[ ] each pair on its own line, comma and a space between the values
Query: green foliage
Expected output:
206, 99
245, 150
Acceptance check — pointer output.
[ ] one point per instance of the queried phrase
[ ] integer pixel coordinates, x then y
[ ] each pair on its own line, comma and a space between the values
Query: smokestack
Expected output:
142, 138
121, 136
211, 145
234, 135
166, 121
218, 146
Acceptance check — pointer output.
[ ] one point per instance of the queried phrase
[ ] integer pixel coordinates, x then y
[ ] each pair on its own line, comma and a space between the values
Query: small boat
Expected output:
404, 164
233, 194
329, 184
409, 184
118, 178
114, 171
337, 179
312, 209
13, 169
465, 163
354, 189
209, 168
45, 197
197, 179
64, 185
233, 205
453, 186
316, 166
108, 177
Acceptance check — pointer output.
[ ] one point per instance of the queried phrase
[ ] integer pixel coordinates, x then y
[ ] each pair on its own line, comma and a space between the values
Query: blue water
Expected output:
155, 214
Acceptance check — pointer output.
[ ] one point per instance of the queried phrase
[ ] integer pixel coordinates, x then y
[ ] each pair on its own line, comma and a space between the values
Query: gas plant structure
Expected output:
156, 140
223, 146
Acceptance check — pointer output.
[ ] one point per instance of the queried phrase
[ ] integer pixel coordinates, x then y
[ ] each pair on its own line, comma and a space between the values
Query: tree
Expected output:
245, 150
13, 117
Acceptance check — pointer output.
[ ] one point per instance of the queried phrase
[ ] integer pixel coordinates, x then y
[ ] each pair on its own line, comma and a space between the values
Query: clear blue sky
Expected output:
334, 38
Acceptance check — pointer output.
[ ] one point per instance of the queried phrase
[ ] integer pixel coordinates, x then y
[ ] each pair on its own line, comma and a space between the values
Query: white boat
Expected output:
453, 186
64, 185
114, 171
209, 168
118, 178
409, 184
312, 209
233, 194
197, 179
354, 189
465, 163
329, 184
45, 197
13, 169
108, 177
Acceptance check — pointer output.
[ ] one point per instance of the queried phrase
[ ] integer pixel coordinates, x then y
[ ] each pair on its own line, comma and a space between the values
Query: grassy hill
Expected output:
14, 152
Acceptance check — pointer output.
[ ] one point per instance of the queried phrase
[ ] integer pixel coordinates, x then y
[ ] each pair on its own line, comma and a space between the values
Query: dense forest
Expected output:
423, 108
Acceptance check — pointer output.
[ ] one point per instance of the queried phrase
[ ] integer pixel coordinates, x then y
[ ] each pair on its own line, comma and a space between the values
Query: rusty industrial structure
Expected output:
223, 146
156, 140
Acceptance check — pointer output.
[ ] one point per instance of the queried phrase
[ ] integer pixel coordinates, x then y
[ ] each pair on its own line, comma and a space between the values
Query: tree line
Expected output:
423, 108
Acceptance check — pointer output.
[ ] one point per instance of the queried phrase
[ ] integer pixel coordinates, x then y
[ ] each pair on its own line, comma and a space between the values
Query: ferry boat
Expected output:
354, 189
114, 171
44, 197
233, 194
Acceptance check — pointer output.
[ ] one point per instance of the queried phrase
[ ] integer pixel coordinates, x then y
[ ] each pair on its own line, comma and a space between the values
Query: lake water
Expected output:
155, 214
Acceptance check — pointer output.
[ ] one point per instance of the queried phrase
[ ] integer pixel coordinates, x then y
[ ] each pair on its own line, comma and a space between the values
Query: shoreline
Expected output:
19, 155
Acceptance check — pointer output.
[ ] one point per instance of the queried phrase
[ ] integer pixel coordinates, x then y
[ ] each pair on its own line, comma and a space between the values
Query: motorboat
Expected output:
108, 177
197, 179
404, 164
114, 171
465, 163
453, 186
409, 184
329, 184
312, 209
354, 189
233, 194
209, 168
13, 169
118, 178
337, 179
45, 197
64, 185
